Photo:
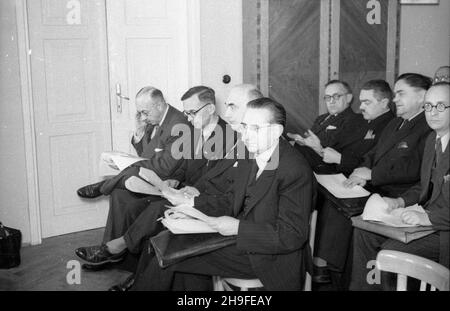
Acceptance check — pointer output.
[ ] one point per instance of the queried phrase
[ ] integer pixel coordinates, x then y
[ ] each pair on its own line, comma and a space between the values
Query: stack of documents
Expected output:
335, 185
376, 209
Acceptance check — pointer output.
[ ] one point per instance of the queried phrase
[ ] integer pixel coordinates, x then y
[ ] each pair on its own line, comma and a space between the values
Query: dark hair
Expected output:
276, 109
381, 89
416, 80
344, 84
205, 94
151, 92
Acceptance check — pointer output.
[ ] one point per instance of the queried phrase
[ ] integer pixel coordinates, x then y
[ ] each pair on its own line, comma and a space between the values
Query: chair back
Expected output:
408, 265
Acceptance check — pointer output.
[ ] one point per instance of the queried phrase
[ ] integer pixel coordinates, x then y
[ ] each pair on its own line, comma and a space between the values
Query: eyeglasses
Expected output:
439, 107
328, 98
253, 127
193, 113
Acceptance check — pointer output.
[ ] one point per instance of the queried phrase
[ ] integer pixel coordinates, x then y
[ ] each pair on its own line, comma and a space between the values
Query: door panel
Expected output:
71, 109
147, 46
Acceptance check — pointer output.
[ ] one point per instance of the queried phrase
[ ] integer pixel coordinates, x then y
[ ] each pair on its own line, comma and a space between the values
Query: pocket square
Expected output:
331, 127
370, 135
158, 149
446, 178
403, 145
235, 164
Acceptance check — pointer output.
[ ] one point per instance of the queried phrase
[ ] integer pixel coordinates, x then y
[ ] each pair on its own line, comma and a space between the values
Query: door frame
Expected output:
23, 42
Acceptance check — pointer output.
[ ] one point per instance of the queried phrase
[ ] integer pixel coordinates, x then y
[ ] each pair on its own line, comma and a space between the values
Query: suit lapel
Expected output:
263, 184
397, 136
441, 170
240, 186
427, 161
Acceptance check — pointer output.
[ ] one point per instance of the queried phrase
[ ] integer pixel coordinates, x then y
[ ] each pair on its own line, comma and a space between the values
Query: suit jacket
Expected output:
359, 138
158, 151
333, 132
274, 222
437, 205
395, 160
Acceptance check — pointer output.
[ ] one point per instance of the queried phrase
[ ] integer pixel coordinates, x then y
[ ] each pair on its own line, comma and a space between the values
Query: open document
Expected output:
185, 219
112, 162
376, 209
334, 184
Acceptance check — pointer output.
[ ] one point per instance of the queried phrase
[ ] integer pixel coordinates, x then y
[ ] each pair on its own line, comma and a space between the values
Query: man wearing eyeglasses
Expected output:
154, 122
329, 130
272, 204
432, 192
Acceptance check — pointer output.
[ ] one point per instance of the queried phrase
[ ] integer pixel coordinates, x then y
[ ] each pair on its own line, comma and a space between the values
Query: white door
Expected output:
71, 109
147, 45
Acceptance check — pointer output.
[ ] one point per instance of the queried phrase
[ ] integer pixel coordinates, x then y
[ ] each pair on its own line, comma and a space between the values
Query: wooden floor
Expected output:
44, 267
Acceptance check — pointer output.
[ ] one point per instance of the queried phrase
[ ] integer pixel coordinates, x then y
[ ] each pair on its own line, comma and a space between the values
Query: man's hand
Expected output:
394, 203
225, 225
313, 142
415, 218
297, 138
190, 191
176, 197
363, 172
171, 183
140, 125
354, 181
331, 156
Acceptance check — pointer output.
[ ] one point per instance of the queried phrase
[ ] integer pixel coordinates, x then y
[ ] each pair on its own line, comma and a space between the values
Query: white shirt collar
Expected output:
208, 129
444, 140
264, 157
164, 115
415, 115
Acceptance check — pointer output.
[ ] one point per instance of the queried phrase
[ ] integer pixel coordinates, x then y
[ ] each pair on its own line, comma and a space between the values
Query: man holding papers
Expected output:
152, 137
334, 230
272, 204
432, 193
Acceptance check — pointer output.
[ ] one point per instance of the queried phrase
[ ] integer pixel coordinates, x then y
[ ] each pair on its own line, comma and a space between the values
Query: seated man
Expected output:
432, 193
334, 230
331, 132
393, 165
271, 211
154, 122
207, 180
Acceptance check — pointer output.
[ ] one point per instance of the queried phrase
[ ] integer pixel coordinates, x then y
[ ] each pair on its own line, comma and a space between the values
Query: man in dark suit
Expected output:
393, 165
432, 192
206, 177
334, 230
334, 129
271, 210
153, 136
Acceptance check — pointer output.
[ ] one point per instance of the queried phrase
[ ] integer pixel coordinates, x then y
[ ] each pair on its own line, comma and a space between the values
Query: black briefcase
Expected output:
10, 243
172, 248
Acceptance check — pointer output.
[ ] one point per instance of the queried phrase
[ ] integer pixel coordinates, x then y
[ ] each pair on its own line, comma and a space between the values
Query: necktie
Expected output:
149, 131
438, 150
253, 172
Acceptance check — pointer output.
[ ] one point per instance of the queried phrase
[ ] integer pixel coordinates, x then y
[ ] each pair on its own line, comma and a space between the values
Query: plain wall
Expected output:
13, 184
424, 37
221, 45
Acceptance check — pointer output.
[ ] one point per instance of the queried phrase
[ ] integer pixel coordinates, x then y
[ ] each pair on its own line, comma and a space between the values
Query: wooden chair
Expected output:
404, 265
221, 284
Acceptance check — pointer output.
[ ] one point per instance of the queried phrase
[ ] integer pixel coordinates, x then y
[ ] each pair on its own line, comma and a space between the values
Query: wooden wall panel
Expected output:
294, 32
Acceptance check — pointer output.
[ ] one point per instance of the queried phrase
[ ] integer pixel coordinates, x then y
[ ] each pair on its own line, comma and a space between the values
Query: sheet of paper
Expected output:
186, 226
123, 161
151, 177
190, 211
376, 209
334, 184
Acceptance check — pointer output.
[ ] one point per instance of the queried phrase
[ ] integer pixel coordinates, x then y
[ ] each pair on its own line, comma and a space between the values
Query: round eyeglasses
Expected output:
439, 107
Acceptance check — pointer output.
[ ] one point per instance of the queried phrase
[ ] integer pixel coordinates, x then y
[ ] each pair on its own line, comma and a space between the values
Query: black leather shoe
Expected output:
321, 275
124, 286
94, 268
99, 255
90, 191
